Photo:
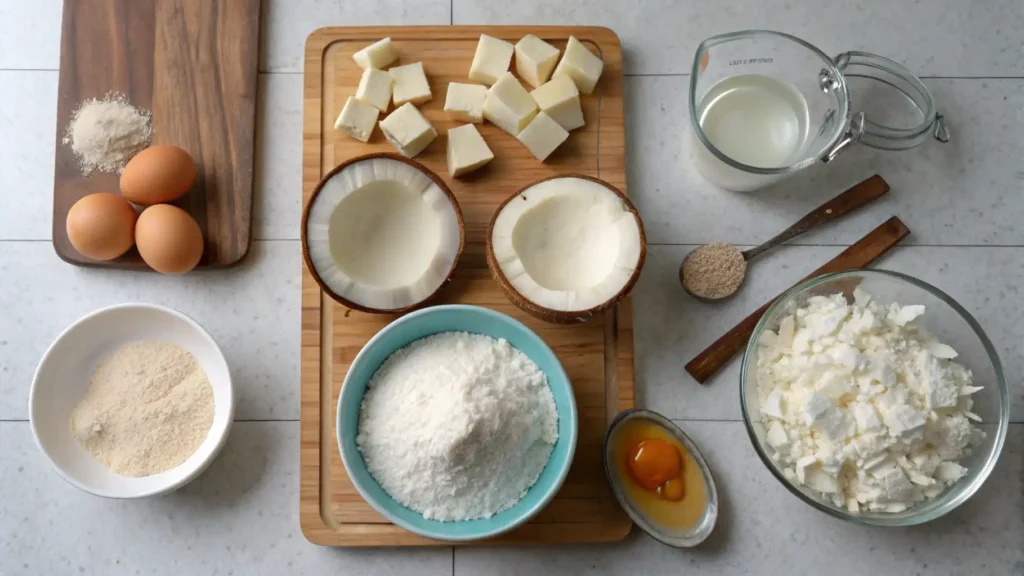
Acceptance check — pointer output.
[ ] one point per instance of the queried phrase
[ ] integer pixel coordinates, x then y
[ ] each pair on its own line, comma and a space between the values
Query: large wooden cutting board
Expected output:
597, 355
193, 63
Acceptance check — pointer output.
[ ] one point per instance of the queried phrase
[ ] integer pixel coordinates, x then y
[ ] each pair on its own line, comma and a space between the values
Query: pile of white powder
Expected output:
862, 406
105, 133
457, 426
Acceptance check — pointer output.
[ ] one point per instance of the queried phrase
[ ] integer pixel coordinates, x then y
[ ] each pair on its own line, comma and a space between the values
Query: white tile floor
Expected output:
963, 203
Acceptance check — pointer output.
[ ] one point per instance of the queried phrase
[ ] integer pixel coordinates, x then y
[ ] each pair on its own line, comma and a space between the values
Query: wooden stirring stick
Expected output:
862, 253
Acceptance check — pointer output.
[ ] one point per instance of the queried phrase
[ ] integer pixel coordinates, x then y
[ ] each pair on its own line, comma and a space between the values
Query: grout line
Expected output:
287, 421
262, 72
686, 75
706, 420
899, 246
245, 421
40, 240
649, 244
971, 77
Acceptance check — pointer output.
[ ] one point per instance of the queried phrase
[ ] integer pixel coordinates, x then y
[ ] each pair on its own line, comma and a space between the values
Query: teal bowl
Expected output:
451, 318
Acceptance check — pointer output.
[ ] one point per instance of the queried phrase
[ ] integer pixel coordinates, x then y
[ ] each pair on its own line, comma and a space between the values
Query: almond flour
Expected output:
149, 406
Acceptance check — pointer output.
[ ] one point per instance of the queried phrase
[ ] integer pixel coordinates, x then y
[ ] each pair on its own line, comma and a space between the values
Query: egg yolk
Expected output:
657, 465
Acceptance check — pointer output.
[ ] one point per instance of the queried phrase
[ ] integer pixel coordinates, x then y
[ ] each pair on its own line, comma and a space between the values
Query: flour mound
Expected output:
457, 426
149, 406
106, 133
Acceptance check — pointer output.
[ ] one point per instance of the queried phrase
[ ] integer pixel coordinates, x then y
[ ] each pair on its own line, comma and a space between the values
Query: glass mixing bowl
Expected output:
947, 321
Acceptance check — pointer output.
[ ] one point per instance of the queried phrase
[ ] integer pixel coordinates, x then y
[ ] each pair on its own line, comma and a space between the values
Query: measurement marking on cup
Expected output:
743, 61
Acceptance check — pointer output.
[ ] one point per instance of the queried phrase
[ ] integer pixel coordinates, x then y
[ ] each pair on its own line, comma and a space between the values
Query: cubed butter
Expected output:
409, 84
467, 150
508, 105
377, 55
357, 119
581, 65
407, 130
465, 102
491, 60
542, 136
535, 60
375, 88
560, 99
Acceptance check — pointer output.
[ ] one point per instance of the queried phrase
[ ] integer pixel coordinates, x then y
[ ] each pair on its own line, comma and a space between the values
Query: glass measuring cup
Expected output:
790, 106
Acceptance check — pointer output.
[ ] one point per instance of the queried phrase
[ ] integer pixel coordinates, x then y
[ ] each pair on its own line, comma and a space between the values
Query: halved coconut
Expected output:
566, 248
382, 233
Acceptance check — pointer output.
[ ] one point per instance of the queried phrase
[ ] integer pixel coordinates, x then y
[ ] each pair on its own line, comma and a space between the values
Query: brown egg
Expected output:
168, 239
101, 226
158, 174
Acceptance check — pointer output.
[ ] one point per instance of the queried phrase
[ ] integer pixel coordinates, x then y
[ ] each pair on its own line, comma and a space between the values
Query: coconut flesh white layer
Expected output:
382, 234
567, 244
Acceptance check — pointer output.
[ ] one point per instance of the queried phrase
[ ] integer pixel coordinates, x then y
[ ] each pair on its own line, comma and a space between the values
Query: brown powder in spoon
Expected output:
713, 271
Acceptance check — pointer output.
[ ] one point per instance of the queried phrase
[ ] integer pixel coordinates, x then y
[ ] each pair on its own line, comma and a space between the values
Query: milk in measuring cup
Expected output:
755, 120
764, 105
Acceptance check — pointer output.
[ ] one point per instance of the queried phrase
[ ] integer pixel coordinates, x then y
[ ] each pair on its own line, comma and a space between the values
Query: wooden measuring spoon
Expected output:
729, 264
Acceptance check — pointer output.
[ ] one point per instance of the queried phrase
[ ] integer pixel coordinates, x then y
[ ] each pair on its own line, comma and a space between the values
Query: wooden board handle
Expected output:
857, 196
862, 253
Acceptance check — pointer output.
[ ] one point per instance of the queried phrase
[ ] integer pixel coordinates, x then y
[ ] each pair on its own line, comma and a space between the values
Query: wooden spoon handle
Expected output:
843, 204
865, 251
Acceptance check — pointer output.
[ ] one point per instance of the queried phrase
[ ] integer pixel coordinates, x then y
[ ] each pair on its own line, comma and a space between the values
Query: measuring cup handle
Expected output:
851, 137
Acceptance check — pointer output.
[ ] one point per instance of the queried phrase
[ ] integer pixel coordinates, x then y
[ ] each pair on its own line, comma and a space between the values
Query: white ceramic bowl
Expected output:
63, 376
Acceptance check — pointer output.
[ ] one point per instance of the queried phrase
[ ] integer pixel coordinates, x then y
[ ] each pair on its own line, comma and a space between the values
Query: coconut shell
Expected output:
316, 192
561, 316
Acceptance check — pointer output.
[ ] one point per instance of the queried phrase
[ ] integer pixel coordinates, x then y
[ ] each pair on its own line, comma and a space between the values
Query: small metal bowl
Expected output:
677, 539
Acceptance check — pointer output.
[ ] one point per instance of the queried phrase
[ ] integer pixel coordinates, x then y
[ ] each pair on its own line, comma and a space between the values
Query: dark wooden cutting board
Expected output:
193, 63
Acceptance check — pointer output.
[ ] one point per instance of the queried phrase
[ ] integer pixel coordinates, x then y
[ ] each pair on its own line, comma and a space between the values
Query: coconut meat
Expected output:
382, 234
567, 244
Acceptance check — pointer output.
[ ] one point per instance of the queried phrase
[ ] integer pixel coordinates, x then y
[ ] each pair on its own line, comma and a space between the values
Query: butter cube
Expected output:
407, 130
581, 65
357, 119
491, 60
375, 88
377, 55
535, 60
542, 136
465, 102
467, 150
560, 99
410, 84
508, 105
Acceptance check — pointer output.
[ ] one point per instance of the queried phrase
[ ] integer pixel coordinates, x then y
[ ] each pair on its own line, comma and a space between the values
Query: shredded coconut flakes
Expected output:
457, 426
